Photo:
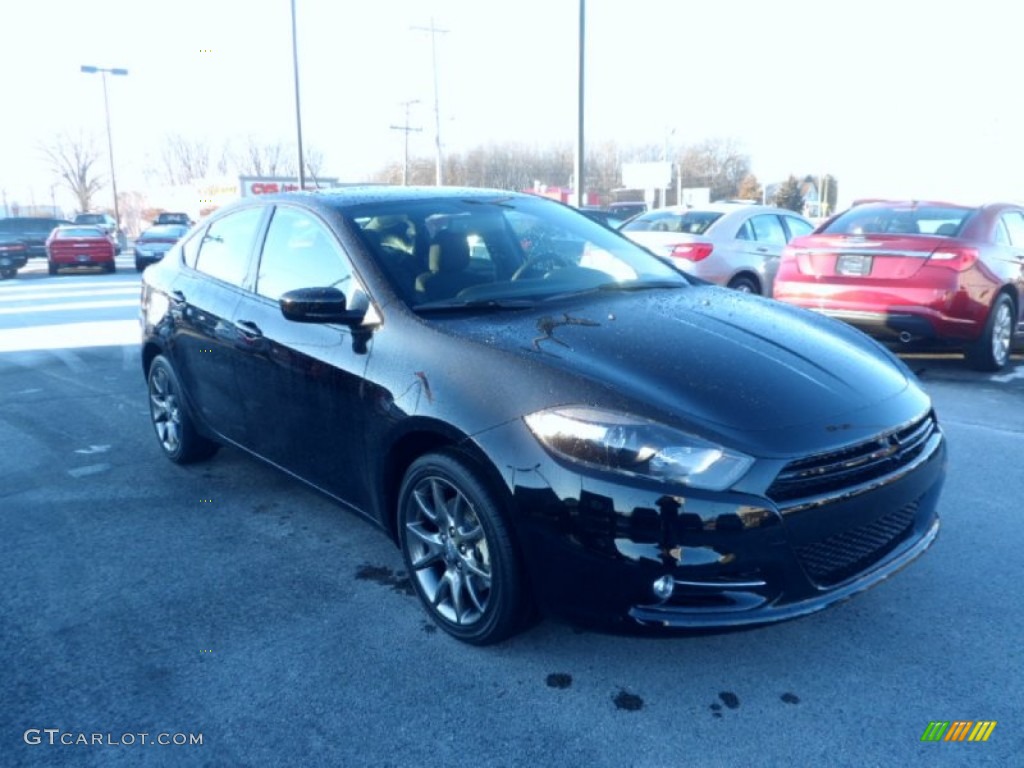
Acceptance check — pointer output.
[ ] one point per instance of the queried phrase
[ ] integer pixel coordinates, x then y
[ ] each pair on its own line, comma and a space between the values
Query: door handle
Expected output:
249, 329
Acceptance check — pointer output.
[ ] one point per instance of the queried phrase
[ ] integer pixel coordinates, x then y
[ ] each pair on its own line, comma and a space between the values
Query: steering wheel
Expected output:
539, 264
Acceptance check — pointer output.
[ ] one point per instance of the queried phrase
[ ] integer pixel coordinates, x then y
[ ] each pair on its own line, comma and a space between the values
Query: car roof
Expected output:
357, 194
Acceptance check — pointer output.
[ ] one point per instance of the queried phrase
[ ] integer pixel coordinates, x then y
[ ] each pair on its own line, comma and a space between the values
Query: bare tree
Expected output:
750, 188
184, 160
715, 163
314, 160
273, 158
73, 161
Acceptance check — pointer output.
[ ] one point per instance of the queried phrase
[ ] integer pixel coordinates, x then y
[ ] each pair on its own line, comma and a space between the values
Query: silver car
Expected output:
730, 244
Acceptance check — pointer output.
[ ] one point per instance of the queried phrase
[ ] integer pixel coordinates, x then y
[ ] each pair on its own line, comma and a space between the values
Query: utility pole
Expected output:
437, 110
406, 129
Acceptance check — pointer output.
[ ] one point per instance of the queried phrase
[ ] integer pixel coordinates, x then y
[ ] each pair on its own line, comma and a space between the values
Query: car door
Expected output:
302, 383
1014, 256
203, 302
761, 239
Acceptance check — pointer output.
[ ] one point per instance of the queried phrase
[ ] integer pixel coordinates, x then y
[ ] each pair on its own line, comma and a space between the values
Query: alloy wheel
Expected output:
165, 410
1002, 332
448, 551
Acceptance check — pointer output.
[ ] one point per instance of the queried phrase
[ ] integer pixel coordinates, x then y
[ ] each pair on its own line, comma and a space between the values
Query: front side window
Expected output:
300, 252
798, 227
768, 229
225, 249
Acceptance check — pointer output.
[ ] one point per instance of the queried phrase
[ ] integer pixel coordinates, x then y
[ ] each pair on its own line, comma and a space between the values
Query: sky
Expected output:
895, 99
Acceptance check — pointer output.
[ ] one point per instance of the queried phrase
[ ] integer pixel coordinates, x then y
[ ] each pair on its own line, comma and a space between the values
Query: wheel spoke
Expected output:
458, 586
425, 508
439, 505
471, 565
471, 589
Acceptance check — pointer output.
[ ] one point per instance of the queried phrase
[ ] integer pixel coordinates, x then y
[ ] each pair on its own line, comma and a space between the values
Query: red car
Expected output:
80, 246
916, 272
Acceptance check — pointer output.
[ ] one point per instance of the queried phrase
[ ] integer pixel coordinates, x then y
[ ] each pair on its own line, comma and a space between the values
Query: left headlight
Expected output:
630, 445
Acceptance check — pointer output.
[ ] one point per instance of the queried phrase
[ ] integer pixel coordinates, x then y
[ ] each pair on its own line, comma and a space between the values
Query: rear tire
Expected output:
7, 274
175, 430
458, 549
51, 268
991, 352
744, 284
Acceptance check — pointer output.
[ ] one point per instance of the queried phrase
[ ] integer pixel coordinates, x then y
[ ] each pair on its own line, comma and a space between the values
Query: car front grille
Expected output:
836, 558
837, 471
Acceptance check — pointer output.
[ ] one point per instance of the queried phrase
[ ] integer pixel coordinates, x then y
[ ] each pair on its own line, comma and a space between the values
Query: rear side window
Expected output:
225, 249
1015, 226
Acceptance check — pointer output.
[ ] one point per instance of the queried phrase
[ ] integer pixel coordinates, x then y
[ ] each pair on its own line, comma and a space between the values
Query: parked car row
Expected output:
910, 272
83, 242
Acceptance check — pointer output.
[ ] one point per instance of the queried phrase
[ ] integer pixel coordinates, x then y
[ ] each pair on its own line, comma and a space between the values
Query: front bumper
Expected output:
594, 548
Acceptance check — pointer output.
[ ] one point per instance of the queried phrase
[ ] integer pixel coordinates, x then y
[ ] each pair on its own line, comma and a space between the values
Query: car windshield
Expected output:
909, 219
689, 222
478, 251
79, 232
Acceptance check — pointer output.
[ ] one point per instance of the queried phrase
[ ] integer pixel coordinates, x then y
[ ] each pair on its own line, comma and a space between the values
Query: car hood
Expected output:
709, 358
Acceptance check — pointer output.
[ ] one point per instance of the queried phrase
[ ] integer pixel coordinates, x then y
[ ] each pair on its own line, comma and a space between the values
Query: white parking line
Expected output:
1008, 377
71, 335
12, 297
69, 305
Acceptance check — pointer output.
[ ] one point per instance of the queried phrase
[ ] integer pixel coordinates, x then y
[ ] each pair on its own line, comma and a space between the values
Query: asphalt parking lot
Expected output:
229, 601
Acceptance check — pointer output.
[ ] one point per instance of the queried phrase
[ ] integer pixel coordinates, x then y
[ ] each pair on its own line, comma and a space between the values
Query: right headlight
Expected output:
629, 445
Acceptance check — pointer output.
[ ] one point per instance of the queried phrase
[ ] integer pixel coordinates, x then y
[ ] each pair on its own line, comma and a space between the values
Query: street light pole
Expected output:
298, 112
580, 169
110, 140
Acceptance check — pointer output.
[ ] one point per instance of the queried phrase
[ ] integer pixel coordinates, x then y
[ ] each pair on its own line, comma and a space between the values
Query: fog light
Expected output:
664, 587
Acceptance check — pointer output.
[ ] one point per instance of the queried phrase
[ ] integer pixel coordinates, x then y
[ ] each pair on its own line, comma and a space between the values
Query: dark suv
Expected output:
33, 230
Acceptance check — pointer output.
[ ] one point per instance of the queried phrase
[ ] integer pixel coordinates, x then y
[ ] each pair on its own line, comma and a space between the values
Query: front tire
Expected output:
51, 268
7, 274
175, 430
991, 352
458, 550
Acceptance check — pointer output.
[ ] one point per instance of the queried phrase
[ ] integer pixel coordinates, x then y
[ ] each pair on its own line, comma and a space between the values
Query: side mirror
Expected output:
319, 305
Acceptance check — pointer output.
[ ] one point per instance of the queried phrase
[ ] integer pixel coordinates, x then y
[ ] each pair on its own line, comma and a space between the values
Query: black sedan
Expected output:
542, 414
152, 244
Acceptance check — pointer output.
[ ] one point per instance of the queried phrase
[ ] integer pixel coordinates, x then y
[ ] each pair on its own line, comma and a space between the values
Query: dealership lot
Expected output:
226, 599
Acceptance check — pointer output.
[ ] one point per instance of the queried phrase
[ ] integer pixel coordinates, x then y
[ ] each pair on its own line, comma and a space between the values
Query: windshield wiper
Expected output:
641, 285
474, 304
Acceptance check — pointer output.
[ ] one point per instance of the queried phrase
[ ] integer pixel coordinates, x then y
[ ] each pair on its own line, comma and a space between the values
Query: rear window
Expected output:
89, 218
79, 232
690, 222
163, 232
900, 220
